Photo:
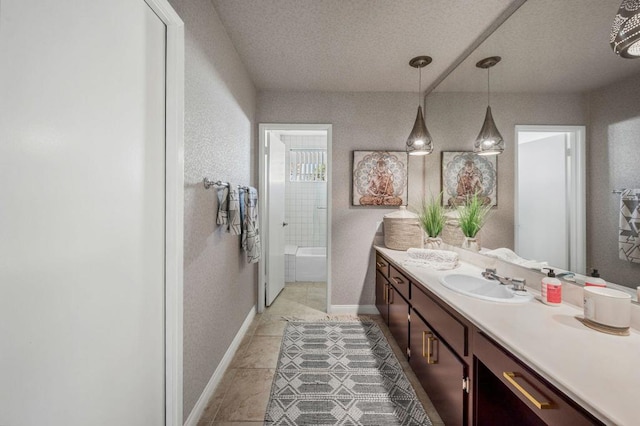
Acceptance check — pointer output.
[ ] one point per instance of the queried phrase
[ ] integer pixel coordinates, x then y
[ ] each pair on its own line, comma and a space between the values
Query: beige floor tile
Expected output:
218, 396
271, 326
262, 352
204, 423
248, 397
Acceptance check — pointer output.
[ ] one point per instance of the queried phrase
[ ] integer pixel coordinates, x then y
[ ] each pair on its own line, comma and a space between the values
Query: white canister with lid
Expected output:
607, 306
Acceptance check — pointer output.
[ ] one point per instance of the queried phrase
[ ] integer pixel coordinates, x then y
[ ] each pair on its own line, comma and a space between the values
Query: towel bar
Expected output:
208, 183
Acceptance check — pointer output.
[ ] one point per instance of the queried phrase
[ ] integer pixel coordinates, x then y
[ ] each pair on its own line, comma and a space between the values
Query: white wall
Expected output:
219, 286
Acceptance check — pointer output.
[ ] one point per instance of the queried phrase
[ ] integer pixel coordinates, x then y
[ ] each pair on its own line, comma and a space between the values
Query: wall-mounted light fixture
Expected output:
625, 31
489, 141
419, 141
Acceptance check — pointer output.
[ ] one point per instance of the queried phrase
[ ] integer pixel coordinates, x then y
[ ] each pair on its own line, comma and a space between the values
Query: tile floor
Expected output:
242, 396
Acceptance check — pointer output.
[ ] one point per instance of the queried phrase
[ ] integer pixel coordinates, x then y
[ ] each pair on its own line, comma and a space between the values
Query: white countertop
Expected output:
599, 371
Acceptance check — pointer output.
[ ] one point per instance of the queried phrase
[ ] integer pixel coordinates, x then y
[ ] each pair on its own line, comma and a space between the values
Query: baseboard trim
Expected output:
215, 379
354, 309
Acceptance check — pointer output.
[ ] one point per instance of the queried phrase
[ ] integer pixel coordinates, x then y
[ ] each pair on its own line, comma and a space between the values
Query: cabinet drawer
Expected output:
449, 327
400, 282
382, 265
440, 372
540, 398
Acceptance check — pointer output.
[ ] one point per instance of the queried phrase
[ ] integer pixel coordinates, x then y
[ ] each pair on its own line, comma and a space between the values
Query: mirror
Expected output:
557, 69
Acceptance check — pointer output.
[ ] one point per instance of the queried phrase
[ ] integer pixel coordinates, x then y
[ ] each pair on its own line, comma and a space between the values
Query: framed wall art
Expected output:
380, 178
465, 174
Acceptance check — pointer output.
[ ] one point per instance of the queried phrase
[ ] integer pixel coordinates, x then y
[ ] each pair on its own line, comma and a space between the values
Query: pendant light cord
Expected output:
419, 83
488, 87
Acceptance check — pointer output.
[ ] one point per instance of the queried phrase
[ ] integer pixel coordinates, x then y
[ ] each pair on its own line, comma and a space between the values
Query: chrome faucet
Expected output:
517, 284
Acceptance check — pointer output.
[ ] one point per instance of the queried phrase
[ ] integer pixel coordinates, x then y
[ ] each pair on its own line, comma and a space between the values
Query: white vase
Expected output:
471, 244
433, 243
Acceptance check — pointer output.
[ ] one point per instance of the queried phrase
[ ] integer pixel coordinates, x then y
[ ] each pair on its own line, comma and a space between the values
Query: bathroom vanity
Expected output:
491, 363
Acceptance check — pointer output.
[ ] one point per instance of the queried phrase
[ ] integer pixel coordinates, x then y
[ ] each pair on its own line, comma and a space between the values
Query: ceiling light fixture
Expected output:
489, 141
419, 141
625, 31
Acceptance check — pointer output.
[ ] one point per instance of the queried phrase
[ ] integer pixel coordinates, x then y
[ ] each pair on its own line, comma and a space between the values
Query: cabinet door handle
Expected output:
390, 295
397, 280
429, 352
511, 378
380, 264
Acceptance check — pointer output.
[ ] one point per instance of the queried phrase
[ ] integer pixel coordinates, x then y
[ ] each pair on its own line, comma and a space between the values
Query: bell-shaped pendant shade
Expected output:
625, 31
419, 141
489, 141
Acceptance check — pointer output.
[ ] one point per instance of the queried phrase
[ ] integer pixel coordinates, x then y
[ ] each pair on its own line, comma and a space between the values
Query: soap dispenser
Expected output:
551, 289
594, 280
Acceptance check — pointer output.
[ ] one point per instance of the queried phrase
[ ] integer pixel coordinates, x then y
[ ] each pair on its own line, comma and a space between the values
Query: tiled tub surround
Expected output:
305, 202
598, 371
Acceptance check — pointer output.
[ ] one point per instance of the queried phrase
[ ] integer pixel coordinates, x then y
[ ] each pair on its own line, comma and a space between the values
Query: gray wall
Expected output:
361, 121
219, 286
454, 120
613, 163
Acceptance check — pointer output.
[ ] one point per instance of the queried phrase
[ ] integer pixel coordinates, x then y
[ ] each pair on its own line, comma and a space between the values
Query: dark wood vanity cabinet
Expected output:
392, 294
399, 318
439, 344
440, 372
507, 392
470, 379
382, 287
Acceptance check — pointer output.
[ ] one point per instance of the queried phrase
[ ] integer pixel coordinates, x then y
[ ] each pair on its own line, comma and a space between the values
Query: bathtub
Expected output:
311, 264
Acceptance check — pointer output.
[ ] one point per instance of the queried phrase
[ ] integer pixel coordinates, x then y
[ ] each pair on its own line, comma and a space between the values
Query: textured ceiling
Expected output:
353, 45
548, 46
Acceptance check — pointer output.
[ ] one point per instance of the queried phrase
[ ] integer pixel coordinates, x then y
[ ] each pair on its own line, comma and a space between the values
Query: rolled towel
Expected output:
510, 256
432, 259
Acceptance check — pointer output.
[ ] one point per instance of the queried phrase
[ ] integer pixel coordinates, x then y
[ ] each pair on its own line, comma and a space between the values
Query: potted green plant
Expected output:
472, 216
432, 220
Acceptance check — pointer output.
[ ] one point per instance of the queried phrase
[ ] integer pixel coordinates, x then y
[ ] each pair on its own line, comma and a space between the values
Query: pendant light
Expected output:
489, 141
419, 141
625, 31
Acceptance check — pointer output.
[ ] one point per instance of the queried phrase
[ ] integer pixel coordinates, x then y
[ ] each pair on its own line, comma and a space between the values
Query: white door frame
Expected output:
576, 188
263, 128
174, 208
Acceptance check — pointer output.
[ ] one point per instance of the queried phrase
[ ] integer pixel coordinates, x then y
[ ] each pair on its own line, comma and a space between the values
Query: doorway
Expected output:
550, 195
295, 209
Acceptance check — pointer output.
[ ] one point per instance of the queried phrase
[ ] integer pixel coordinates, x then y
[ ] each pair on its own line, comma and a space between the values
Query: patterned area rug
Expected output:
340, 373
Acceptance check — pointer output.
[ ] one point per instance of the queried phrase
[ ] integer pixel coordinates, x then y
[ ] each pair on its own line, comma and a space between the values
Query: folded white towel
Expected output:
510, 256
432, 259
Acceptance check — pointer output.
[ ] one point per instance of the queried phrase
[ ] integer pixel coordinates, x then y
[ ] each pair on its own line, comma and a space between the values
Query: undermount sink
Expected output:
484, 289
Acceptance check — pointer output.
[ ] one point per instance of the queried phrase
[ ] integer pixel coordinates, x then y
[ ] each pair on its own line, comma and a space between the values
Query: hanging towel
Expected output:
628, 239
235, 224
250, 232
223, 206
